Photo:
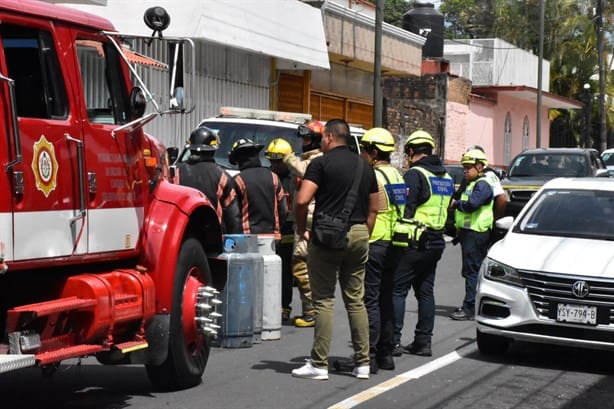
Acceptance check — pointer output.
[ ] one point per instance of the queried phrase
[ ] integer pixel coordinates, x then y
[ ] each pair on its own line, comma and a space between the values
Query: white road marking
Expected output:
400, 379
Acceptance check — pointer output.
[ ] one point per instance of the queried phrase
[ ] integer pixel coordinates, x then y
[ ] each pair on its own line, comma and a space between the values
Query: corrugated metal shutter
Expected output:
224, 77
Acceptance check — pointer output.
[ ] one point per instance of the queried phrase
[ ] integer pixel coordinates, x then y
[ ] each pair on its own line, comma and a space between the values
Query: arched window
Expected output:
507, 139
525, 133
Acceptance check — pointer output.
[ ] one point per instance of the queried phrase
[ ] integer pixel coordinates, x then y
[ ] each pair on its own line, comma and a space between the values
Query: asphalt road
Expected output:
456, 376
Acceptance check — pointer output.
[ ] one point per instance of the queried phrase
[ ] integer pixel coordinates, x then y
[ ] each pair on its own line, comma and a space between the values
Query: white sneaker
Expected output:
309, 371
362, 371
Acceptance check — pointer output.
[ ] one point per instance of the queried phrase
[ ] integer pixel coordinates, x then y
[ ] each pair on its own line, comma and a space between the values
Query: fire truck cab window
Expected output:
32, 61
103, 88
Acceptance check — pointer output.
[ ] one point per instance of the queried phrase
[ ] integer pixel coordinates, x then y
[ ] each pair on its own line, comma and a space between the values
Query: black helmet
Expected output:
243, 146
203, 139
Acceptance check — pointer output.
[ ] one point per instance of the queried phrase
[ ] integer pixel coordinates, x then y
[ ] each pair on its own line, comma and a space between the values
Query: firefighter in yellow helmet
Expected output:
473, 220
376, 146
430, 191
275, 153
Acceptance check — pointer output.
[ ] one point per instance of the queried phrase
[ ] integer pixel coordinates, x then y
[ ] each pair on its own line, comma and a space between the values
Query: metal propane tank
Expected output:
271, 289
244, 271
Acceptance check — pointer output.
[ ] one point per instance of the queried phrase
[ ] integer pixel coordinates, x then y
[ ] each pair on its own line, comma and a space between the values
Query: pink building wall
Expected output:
482, 122
468, 125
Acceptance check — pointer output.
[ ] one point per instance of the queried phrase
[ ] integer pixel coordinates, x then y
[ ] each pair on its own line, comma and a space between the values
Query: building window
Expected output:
525, 133
507, 139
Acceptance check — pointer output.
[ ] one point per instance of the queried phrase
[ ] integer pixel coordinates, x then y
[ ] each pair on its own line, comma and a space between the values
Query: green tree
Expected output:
569, 42
394, 10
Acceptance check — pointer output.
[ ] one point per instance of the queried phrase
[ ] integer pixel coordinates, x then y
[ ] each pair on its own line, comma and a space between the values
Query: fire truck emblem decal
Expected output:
45, 166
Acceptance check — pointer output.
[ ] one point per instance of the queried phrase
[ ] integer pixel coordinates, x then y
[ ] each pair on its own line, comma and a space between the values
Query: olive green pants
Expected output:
348, 265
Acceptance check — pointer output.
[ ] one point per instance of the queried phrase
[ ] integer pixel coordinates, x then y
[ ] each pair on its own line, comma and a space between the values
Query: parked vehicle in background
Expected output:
533, 167
551, 278
99, 254
261, 126
456, 171
608, 159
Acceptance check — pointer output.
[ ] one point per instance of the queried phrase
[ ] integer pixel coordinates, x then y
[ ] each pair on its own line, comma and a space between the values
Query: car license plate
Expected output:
579, 314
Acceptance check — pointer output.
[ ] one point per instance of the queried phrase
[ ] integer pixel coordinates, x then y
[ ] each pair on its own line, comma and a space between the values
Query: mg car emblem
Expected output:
580, 289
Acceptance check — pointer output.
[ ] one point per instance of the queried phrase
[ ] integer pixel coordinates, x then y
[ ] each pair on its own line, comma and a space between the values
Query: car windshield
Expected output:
230, 132
549, 165
608, 158
571, 213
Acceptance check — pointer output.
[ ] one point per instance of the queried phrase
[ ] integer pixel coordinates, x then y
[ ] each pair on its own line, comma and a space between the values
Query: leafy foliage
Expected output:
570, 41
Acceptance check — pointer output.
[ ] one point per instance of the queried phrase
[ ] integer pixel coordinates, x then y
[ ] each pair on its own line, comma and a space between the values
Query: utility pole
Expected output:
603, 136
377, 65
540, 63
588, 106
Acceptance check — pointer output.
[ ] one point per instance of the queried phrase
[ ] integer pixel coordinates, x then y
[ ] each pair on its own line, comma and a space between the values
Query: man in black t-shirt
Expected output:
329, 179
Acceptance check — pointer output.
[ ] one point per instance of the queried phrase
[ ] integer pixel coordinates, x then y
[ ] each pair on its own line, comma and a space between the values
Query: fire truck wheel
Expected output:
188, 351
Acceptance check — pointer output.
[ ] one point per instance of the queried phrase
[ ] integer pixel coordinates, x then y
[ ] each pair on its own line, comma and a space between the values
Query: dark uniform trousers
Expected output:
416, 268
379, 274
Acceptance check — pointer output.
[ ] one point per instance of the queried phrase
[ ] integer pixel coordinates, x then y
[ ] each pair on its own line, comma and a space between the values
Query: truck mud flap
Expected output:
157, 335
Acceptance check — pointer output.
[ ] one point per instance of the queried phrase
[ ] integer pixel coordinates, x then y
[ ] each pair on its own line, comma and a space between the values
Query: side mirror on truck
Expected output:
173, 153
170, 63
138, 102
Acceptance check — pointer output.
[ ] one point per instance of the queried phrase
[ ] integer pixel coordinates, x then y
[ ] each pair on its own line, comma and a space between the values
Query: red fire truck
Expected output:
99, 254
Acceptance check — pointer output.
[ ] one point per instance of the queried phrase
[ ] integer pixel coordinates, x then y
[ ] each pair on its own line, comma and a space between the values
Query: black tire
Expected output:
187, 358
492, 345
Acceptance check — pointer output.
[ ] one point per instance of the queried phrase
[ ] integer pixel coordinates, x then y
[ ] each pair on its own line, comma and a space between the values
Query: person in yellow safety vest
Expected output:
499, 201
473, 219
275, 152
376, 145
430, 191
311, 134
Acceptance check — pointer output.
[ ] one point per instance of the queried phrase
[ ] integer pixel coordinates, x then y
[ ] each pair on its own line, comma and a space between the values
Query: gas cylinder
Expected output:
271, 290
244, 266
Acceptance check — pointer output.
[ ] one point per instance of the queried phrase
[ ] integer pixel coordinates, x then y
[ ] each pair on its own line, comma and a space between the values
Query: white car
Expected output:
261, 126
551, 278
608, 159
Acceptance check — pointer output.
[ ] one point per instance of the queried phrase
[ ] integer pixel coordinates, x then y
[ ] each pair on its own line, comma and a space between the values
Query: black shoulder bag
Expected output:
331, 231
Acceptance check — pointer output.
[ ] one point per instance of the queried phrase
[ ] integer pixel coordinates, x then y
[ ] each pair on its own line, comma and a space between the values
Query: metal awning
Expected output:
529, 94
141, 59
287, 29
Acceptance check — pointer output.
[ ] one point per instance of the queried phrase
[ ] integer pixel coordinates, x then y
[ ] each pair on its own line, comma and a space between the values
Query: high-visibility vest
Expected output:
481, 219
393, 192
434, 212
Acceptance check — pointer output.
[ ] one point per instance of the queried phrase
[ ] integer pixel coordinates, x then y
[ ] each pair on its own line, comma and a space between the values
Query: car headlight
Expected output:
496, 271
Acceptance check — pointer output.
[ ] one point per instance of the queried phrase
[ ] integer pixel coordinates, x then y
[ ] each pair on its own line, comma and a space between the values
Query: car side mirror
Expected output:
505, 223
173, 153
